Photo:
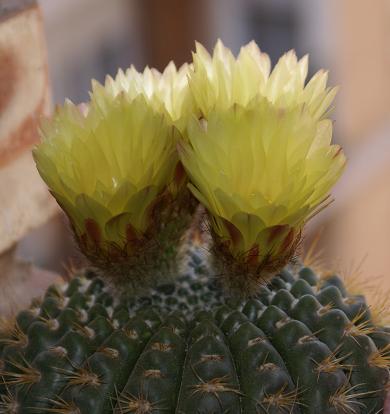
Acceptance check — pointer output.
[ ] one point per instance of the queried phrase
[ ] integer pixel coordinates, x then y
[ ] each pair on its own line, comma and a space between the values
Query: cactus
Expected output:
227, 318
301, 345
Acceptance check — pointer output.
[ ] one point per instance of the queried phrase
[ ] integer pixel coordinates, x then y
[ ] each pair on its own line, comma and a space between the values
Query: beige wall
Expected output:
362, 64
359, 224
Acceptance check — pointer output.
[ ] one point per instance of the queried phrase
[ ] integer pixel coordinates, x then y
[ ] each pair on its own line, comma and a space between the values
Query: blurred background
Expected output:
90, 38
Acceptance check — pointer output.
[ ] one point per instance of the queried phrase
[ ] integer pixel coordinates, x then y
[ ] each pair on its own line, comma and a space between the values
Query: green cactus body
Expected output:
301, 345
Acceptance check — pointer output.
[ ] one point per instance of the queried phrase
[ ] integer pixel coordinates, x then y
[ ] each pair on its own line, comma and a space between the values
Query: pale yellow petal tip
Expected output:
218, 81
166, 92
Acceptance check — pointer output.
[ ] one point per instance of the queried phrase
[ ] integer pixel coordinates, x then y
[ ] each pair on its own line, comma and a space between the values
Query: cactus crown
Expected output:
255, 144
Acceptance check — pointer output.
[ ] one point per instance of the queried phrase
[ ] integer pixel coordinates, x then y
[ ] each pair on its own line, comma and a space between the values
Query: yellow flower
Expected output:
107, 169
261, 172
166, 92
219, 81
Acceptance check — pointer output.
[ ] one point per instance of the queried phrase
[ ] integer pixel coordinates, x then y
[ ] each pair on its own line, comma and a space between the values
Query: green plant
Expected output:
227, 318
302, 345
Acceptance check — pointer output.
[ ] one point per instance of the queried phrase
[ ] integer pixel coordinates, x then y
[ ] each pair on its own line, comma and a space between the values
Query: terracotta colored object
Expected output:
24, 100
24, 86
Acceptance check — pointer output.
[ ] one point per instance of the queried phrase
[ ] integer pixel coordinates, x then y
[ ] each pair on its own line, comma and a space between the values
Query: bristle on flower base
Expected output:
242, 276
148, 265
143, 261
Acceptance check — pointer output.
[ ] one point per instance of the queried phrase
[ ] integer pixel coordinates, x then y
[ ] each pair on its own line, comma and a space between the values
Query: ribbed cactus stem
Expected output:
301, 345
